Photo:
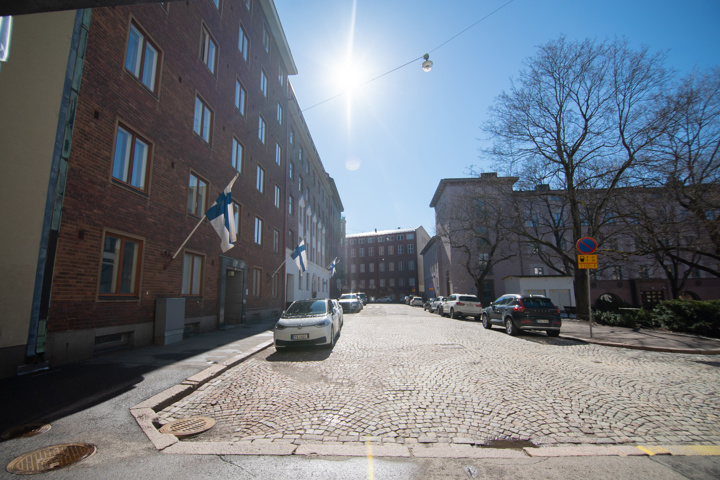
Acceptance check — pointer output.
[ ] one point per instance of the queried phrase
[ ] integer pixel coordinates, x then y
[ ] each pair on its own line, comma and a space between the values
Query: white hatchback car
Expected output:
308, 322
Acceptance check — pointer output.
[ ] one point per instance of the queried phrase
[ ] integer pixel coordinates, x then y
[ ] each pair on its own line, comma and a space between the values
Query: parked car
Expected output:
337, 305
308, 322
384, 300
407, 299
461, 305
436, 304
350, 302
362, 297
523, 312
416, 302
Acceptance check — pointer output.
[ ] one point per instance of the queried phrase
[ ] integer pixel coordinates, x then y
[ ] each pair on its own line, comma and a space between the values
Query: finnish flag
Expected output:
332, 267
300, 257
222, 217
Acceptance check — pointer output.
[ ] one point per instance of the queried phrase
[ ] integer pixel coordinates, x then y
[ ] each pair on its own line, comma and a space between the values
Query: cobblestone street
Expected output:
399, 375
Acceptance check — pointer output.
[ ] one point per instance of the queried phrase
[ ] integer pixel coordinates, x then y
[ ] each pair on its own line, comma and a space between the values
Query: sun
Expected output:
348, 78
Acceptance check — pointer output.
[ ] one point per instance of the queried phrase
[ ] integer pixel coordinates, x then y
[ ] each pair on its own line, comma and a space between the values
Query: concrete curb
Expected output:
145, 413
692, 351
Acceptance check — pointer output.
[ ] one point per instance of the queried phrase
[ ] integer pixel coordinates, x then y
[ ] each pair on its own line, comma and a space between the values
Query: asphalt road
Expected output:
398, 378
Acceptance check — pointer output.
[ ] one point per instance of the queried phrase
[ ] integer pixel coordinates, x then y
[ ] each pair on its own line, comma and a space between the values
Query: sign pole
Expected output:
589, 303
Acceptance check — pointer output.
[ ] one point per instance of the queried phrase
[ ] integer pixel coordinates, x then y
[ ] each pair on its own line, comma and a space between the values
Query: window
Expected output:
266, 38
539, 271
644, 271
382, 282
362, 267
258, 230
277, 196
260, 180
276, 240
142, 58
281, 76
291, 168
192, 274
279, 114
362, 252
237, 154
371, 283
131, 159
391, 282
410, 248
361, 241
197, 193
291, 208
381, 267
381, 239
371, 267
263, 83
353, 268
261, 129
257, 282
617, 273
401, 249
217, 4
391, 250
278, 154
243, 43
409, 236
352, 252
411, 265
381, 250
203, 120
300, 184
400, 237
240, 97
237, 209
292, 137
401, 282
411, 282
121, 266
401, 266
208, 50
391, 266
371, 251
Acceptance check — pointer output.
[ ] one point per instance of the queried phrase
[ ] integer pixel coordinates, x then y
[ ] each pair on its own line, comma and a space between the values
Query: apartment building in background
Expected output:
120, 127
386, 263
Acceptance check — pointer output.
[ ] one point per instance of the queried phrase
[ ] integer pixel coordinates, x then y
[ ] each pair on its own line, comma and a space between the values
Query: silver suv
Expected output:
461, 305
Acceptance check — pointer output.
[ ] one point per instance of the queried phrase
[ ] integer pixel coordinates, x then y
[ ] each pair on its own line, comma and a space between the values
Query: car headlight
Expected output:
279, 326
323, 323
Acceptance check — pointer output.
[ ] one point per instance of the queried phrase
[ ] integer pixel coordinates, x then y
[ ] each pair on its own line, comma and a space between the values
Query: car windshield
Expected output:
317, 307
537, 302
347, 295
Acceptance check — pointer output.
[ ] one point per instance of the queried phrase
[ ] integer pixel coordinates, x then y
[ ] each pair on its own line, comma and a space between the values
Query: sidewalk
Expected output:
642, 339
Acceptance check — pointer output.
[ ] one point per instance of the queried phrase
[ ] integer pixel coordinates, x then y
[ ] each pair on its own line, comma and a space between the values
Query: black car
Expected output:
523, 312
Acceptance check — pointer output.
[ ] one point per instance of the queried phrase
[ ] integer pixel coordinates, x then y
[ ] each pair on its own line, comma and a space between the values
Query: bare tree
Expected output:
577, 119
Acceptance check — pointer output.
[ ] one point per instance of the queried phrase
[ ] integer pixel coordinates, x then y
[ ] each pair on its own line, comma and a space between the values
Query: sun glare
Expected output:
348, 78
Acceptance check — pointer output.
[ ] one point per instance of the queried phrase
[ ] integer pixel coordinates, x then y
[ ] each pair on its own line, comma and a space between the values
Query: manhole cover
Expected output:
29, 430
51, 458
188, 426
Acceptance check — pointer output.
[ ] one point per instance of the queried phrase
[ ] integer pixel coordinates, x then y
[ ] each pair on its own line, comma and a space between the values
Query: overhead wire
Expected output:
413, 60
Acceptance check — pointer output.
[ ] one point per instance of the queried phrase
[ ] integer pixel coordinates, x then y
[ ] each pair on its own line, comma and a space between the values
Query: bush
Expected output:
613, 319
689, 316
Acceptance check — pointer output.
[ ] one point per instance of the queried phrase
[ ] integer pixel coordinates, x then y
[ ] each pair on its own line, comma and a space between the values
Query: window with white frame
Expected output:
539, 271
410, 248
401, 249
131, 160
381, 250
261, 129
260, 179
362, 268
258, 230
237, 155
257, 282
240, 97
278, 154
277, 196
276, 240
371, 251
243, 43
142, 58
202, 124
291, 206
279, 114
263, 83
352, 253
391, 266
411, 265
208, 50
391, 250
237, 210
362, 252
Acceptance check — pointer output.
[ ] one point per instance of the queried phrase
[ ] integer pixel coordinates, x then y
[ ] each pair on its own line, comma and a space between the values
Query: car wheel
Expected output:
332, 338
553, 333
510, 327
439, 311
486, 321
452, 313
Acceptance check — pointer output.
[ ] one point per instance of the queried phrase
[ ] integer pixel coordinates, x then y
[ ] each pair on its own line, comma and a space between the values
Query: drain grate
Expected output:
509, 443
186, 427
29, 430
51, 458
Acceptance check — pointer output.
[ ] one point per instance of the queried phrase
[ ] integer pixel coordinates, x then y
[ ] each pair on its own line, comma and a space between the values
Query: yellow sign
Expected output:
587, 261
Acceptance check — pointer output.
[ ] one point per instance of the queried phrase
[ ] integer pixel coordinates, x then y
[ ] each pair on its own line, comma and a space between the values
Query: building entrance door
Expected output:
234, 288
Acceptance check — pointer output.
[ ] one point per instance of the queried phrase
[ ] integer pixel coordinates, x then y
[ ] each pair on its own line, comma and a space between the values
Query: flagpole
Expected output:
283, 263
185, 242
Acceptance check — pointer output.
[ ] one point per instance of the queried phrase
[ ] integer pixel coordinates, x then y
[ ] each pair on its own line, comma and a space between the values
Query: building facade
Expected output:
160, 106
386, 263
488, 206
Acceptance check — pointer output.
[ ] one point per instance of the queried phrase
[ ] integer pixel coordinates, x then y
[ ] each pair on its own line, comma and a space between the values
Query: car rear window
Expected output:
467, 298
537, 302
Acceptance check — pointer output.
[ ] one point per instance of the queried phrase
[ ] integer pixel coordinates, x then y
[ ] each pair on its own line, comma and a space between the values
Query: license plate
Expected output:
543, 321
300, 336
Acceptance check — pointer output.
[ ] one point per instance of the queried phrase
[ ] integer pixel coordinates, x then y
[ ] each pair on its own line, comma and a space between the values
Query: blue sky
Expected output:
388, 143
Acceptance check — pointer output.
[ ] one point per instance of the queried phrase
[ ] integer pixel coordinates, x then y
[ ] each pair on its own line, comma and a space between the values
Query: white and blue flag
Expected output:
332, 267
222, 217
300, 257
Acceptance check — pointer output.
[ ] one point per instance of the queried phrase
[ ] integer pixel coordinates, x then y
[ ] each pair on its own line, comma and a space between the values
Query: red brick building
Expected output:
166, 103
